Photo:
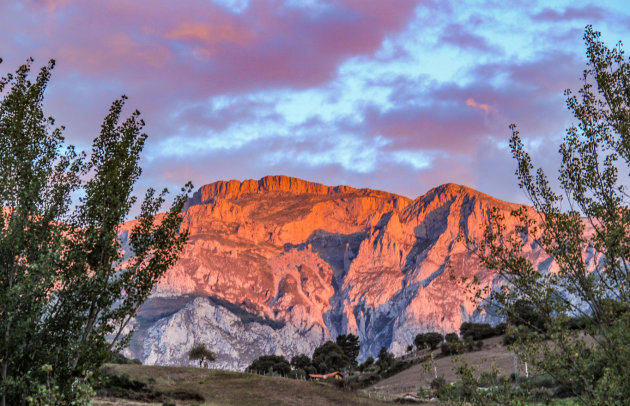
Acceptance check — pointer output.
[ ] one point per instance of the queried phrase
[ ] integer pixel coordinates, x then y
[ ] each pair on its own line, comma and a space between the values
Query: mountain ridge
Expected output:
323, 261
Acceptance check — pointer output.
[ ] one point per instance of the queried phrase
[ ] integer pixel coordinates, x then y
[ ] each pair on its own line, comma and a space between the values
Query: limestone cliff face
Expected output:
279, 265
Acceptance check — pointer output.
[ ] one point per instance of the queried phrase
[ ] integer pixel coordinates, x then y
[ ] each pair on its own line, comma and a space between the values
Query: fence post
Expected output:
516, 369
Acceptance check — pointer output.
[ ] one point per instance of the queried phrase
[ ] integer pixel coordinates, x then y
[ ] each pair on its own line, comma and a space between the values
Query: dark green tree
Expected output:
271, 364
385, 359
199, 352
433, 339
350, 346
300, 361
451, 338
419, 341
329, 357
66, 291
369, 361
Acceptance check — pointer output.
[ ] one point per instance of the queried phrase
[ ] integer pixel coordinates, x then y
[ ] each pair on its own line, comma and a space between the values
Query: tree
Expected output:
271, 364
67, 293
585, 229
300, 361
433, 339
385, 359
201, 353
419, 341
479, 331
329, 357
369, 361
349, 344
451, 338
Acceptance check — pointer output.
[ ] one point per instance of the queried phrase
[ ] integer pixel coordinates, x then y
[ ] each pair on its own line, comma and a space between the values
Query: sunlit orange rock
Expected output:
312, 261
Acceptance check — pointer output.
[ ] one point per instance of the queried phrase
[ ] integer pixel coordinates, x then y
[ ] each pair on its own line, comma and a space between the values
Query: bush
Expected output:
542, 381
118, 358
479, 331
451, 338
433, 339
439, 386
488, 379
297, 374
385, 359
369, 361
271, 364
452, 348
524, 313
500, 329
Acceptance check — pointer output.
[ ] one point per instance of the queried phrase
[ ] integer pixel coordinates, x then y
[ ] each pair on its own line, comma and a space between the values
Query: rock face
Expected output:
279, 265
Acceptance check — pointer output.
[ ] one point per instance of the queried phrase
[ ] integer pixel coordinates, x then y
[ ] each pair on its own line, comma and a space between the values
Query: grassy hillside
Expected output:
492, 355
188, 386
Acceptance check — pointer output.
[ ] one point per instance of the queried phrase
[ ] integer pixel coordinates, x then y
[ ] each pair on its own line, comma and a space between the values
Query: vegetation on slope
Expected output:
186, 386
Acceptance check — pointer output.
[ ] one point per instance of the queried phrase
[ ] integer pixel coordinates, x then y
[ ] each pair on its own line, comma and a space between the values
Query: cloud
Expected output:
400, 95
588, 13
472, 103
461, 37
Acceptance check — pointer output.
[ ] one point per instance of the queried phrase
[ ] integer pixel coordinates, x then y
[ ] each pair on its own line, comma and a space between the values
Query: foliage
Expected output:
297, 374
385, 359
369, 361
329, 357
300, 361
480, 331
451, 338
118, 358
585, 228
67, 293
270, 364
201, 353
431, 339
350, 346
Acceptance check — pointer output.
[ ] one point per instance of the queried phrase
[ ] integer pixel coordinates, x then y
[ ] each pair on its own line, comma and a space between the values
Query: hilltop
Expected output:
188, 386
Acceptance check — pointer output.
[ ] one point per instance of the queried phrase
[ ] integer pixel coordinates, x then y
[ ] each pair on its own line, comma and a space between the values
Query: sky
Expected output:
397, 95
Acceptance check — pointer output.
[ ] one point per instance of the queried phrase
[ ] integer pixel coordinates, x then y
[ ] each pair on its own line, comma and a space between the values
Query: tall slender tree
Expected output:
67, 292
585, 228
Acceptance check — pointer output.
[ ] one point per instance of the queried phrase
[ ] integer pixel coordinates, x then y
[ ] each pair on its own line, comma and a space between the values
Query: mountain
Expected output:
280, 265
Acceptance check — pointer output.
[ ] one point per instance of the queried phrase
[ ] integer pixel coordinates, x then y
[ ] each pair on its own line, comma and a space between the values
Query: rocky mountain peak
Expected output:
234, 189
279, 265
279, 184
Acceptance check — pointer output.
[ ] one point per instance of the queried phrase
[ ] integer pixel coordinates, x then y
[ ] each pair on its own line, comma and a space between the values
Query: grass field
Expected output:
218, 387
492, 355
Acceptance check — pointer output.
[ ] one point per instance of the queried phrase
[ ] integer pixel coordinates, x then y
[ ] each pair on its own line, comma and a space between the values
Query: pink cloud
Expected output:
205, 49
589, 13
472, 103
459, 36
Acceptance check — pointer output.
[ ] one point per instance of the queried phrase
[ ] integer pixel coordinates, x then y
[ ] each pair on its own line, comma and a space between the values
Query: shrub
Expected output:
433, 339
451, 338
369, 361
478, 331
542, 381
452, 348
271, 363
488, 379
297, 374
